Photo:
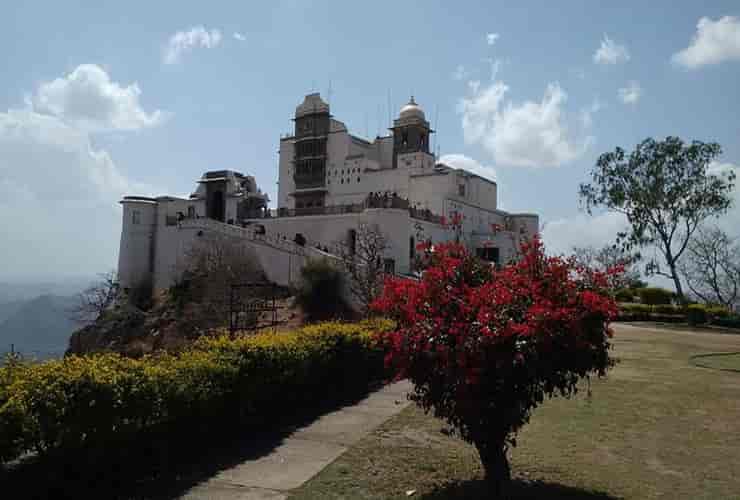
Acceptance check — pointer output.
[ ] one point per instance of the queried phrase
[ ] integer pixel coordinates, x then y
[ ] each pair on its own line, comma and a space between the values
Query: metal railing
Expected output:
426, 215
326, 210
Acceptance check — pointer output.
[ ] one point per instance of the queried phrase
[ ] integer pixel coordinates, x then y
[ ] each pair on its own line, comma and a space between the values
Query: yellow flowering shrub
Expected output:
92, 400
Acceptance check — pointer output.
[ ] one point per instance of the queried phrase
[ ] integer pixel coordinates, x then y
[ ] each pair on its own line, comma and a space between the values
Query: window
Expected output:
191, 212
461, 190
135, 217
404, 138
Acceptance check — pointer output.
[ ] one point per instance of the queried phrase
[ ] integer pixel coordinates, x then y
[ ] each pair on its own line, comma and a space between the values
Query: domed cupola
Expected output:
410, 131
411, 111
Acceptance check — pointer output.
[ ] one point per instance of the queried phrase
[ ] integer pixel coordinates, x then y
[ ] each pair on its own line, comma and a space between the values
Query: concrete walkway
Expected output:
305, 452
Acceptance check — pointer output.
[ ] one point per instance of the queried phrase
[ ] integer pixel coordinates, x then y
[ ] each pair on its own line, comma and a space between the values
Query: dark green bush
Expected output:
320, 290
96, 401
654, 295
731, 321
696, 314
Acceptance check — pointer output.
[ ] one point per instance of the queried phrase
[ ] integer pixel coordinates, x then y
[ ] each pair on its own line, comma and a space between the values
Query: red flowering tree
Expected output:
483, 347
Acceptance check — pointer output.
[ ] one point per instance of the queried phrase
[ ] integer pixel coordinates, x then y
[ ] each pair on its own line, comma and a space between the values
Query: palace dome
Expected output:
411, 111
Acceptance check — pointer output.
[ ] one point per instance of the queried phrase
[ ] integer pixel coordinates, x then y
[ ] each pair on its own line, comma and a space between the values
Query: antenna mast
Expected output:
380, 119
436, 130
390, 123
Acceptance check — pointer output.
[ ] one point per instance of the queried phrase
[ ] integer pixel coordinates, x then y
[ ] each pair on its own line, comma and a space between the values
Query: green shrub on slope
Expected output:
100, 399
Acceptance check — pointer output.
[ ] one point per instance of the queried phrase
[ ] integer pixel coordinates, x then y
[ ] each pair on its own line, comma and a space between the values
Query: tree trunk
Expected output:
495, 467
677, 283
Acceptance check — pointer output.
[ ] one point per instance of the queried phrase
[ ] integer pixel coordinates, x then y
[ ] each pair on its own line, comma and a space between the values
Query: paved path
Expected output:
305, 452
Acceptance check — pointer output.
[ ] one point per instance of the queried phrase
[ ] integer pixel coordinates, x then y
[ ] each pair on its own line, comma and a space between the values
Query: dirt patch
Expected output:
659, 467
408, 436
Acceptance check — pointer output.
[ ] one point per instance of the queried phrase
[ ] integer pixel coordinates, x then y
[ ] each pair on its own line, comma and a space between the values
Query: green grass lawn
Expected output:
656, 427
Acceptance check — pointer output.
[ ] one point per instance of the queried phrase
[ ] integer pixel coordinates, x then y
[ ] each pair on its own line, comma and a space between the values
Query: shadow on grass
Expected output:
160, 464
519, 489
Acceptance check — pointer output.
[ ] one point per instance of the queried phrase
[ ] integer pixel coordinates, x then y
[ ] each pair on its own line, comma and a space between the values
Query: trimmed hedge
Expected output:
694, 314
97, 400
625, 294
667, 309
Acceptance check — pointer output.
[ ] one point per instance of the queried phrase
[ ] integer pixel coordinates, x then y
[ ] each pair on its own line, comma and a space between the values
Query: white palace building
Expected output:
330, 182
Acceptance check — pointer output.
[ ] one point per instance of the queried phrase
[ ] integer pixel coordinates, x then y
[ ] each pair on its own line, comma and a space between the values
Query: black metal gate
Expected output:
252, 306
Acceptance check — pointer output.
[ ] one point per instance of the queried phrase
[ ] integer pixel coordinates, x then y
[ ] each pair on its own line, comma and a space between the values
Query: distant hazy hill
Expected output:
7, 309
37, 326
11, 291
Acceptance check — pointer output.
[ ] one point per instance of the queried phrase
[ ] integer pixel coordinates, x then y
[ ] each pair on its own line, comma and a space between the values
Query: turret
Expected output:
136, 254
411, 131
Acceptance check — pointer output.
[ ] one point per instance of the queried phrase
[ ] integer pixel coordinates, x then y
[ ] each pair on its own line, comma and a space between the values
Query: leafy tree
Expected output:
319, 291
711, 268
665, 190
653, 295
484, 347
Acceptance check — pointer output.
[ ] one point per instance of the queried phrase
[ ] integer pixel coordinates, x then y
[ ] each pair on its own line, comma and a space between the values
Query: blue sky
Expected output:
99, 99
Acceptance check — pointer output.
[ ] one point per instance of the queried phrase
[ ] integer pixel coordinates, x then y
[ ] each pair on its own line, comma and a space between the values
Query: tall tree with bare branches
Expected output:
96, 299
363, 263
711, 267
608, 257
210, 267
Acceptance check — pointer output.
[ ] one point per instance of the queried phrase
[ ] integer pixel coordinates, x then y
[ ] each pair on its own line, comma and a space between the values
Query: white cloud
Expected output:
561, 235
491, 38
529, 134
469, 164
587, 113
88, 99
239, 36
185, 41
714, 42
59, 195
631, 93
460, 73
610, 52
